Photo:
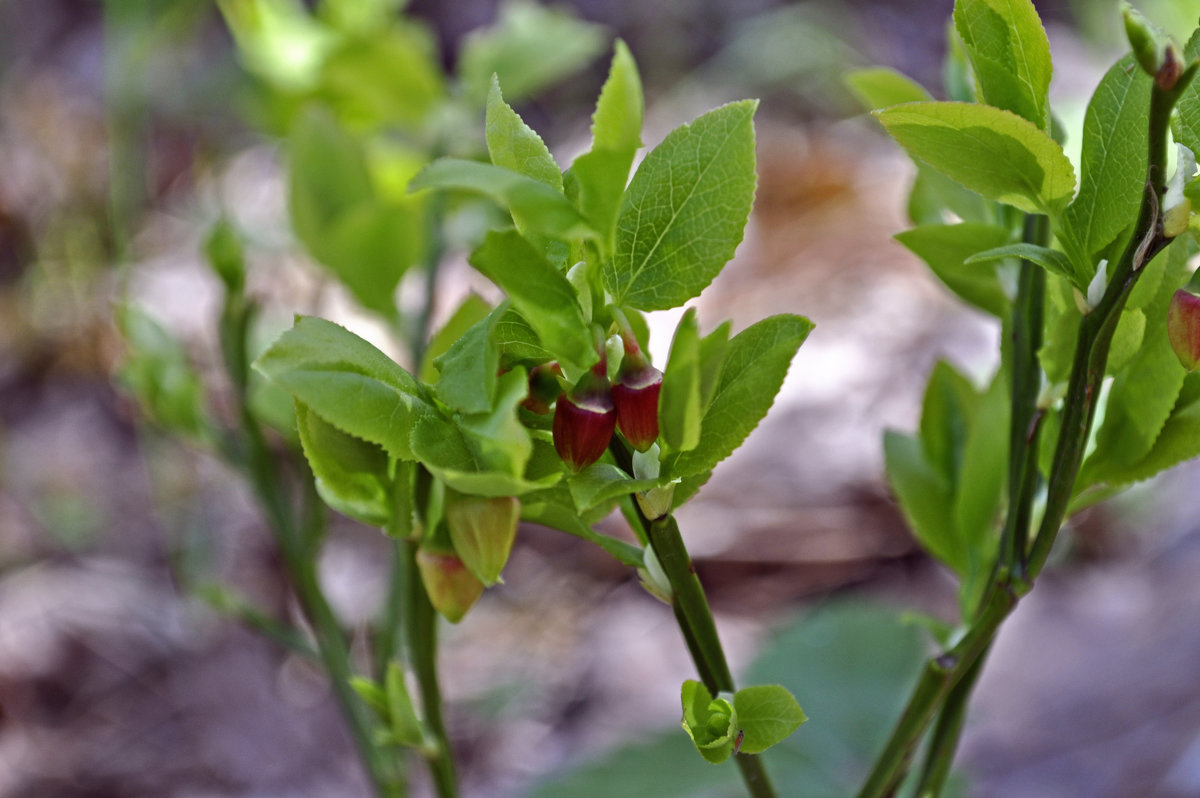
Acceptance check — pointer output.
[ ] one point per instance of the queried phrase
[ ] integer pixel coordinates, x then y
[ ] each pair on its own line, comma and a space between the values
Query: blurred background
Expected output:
130, 552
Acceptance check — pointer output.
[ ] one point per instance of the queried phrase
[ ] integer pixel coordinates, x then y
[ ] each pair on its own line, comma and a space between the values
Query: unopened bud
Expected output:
636, 399
544, 389
1146, 41
1183, 327
1177, 207
452, 589
584, 420
482, 530
1171, 68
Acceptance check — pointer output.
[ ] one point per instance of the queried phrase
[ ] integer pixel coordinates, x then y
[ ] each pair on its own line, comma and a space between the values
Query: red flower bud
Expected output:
636, 398
1183, 328
584, 420
451, 588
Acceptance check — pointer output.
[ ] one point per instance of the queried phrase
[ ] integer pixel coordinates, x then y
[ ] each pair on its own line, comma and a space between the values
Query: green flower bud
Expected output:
482, 530
1146, 41
452, 589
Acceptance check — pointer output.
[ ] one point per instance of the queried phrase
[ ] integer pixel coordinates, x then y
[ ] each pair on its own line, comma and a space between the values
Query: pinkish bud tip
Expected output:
1183, 328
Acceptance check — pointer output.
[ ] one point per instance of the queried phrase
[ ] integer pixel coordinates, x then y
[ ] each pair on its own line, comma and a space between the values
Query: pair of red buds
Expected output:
587, 415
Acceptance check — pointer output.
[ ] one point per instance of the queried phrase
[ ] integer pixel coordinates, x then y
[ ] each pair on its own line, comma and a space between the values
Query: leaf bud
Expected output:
1146, 41
636, 398
584, 420
452, 589
482, 529
1177, 207
1183, 327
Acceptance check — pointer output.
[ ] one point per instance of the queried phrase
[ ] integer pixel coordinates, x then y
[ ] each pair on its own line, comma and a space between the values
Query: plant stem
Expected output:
420, 622
946, 733
944, 672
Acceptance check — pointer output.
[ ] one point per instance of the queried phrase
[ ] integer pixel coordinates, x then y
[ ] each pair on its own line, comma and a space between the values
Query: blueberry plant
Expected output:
546, 407
1085, 279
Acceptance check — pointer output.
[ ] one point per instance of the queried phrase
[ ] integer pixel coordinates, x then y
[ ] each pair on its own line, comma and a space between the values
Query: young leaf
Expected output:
1113, 164
387, 76
540, 293
925, 496
467, 372
351, 474
879, 87
369, 248
473, 309
712, 361
157, 371
755, 364
347, 382
712, 723
1179, 439
328, 174
517, 340
685, 211
1051, 260
946, 248
993, 152
1144, 392
1010, 55
766, 715
514, 145
946, 413
530, 47
402, 717
601, 173
555, 508
679, 403
541, 209
600, 482
1187, 122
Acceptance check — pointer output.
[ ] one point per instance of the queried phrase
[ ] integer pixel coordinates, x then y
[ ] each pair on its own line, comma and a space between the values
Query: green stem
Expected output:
420, 621
944, 672
946, 733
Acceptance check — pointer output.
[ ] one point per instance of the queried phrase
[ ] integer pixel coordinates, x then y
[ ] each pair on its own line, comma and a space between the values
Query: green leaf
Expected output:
328, 174
402, 717
879, 87
1051, 260
925, 496
347, 382
600, 482
467, 371
541, 208
369, 248
981, 482
517, 341
530, 47
685, 211
755, 364
946, 248
1186, 125
1179, 439
472, 309
602, 173
1144, 392
540, 293
1010, 55
710, 722
679, 403
712, 361
766, 714
514, 145
993, 152
157, 370
351, 474
384, 77
556, 509
946, 413
935, 198
1113, 165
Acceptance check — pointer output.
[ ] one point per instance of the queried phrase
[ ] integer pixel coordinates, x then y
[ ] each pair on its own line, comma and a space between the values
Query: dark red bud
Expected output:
636, 399
584, 420
1183, 328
